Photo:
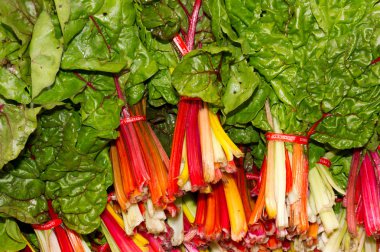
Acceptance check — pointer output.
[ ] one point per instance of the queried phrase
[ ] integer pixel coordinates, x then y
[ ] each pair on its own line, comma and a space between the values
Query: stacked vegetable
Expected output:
94, 96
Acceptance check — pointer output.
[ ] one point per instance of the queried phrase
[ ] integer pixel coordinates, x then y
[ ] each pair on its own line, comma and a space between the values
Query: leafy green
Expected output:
246, 135
75, 177
20, 16
161, 20
22, 191
45, 60
13, 88
160, 89
11, 236
196, 76
340, 168
240, 86
17, 123
108, 41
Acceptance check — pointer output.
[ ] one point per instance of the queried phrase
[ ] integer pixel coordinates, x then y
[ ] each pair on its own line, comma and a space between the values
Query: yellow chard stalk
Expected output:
235, 208
184, 175
228, 146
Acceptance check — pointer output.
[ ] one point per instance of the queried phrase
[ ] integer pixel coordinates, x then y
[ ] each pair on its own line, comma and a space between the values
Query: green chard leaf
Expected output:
108, 42
10, 236
161, 20
196, 76
160, 89
22, 191
76, 178
20, 16
13, 88
17, 123
45, 59
242, 83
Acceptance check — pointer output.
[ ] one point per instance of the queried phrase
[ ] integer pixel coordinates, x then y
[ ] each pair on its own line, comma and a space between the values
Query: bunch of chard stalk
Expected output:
54, 236
201, 150
283, 186
113, 228
340, 240
140, 169
322, 197
363, 193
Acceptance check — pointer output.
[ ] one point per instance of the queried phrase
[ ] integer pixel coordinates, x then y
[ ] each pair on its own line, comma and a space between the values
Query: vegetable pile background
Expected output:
63, 64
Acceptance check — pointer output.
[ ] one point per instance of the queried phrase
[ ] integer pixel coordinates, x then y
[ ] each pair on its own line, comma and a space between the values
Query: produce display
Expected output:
189, 125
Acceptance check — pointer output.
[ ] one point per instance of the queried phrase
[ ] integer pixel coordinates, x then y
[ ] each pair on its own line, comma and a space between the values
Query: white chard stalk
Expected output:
132, 218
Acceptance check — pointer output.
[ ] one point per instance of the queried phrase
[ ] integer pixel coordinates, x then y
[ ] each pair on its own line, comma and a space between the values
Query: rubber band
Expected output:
48, 225
180, 44
132, 119
286, 138
325, 162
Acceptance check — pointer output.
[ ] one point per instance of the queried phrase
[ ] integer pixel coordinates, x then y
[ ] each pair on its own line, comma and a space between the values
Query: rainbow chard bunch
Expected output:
362, 197
201, 150
54, 236
140, 167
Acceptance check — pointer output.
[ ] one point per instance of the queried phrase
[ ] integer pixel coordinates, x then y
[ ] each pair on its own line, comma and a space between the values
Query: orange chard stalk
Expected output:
163, 154
176, 152
193, 146
300, 184
235, 208
129, 184
260, 202
304, 190
211, 227
206, 144
118, 179
312, 232
153, 161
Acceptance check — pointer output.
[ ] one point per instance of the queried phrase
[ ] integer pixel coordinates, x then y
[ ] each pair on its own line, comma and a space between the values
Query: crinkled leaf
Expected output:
108, 40
353, 121
22, 192
220, 22
142, 68
76, 177
17, 123
45, 59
